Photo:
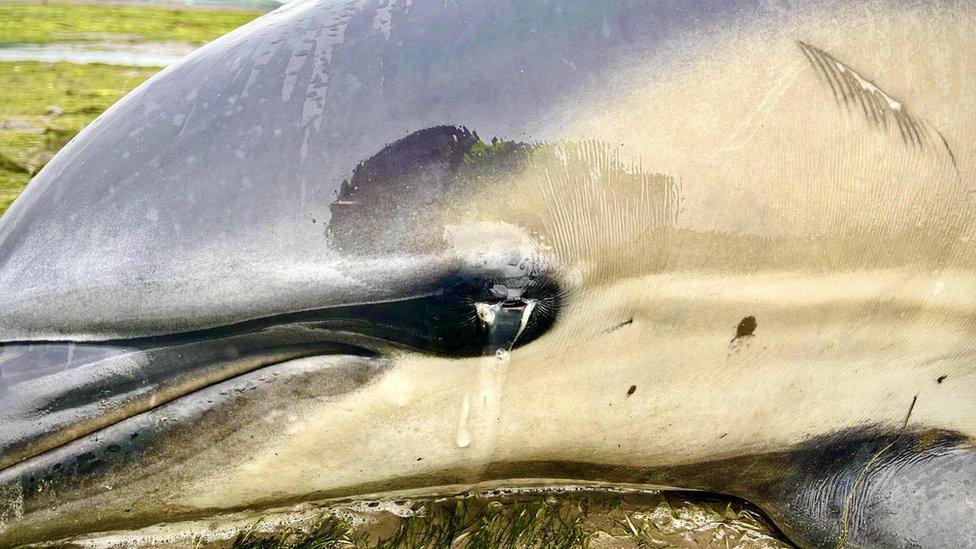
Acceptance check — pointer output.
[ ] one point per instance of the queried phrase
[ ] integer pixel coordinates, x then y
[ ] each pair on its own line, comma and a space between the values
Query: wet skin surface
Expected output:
280, 272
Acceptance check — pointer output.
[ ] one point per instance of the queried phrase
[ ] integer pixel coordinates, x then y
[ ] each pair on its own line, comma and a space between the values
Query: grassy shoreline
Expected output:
262, 6
44, 105
44, 23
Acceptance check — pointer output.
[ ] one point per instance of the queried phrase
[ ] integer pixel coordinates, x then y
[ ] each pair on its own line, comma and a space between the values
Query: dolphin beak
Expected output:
95, 422
95, 419
57, 392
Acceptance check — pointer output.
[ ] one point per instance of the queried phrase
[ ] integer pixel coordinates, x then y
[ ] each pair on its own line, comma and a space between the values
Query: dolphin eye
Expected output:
442, 322
466, 317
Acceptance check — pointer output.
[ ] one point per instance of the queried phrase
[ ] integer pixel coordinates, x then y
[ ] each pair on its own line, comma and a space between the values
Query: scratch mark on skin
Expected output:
909, 414
952, 155
845, 522
186, 120
880, 109
619, 326
772, 97
850, 87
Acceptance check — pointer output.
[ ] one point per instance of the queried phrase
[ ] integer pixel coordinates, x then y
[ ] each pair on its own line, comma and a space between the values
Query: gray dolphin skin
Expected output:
382, 247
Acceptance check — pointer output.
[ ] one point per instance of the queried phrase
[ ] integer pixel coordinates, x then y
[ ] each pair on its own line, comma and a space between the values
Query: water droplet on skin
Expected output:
505, 321
463, 435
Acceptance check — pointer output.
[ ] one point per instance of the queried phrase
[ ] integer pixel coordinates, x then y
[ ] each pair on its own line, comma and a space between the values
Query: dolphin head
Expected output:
376, 248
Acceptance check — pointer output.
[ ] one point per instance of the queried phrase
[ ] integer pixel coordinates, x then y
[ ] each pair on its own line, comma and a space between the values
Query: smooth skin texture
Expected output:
672, 191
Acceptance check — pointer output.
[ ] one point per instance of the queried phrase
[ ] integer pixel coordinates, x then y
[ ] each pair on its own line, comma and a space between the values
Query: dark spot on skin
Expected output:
631, 390
373, 504
746, 328
134, 436
724, 435
113, 448
941, 379
420, 459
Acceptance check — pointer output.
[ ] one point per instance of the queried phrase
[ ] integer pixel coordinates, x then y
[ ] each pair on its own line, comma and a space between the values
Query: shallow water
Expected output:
107, 53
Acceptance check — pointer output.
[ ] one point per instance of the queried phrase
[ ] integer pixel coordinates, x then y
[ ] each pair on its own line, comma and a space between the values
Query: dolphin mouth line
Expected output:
80, 458
167, 369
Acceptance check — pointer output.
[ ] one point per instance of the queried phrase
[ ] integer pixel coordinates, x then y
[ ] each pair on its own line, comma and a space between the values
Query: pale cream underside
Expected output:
759, 149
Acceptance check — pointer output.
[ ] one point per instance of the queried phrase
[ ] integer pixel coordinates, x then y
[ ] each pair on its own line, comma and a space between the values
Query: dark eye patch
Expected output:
442, 322
131, 373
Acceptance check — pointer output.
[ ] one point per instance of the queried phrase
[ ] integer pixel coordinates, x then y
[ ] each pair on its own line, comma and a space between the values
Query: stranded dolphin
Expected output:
389, 246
